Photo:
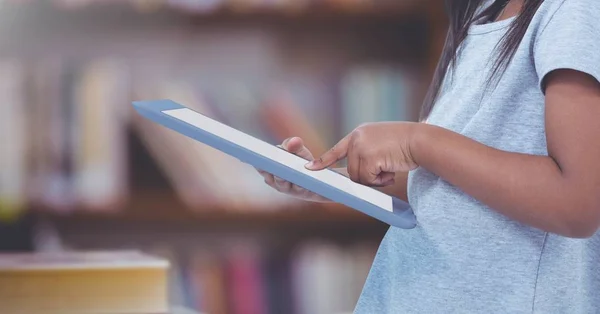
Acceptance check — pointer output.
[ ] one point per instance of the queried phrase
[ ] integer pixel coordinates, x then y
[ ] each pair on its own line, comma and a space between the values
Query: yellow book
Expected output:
13, 136
124, 282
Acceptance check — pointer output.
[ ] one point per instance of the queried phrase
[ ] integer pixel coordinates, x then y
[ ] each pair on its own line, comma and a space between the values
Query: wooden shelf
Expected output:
124, 12
389, 8
163, 208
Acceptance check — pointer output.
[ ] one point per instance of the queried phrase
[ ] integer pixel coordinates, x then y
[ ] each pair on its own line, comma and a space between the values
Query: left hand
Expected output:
375, 152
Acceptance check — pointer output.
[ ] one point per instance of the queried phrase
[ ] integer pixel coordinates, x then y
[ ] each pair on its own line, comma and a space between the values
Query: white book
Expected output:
101, 147
183, 169
220, 171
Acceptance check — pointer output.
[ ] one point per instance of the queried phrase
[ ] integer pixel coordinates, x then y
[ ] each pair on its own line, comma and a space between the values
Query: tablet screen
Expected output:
280, 156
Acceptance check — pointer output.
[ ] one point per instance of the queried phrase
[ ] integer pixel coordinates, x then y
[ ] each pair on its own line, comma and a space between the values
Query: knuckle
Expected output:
371, 154
333, 150
357, 134
286, 188
319, 160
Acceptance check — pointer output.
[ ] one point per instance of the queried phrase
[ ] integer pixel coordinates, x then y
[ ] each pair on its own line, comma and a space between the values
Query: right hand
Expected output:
294, 145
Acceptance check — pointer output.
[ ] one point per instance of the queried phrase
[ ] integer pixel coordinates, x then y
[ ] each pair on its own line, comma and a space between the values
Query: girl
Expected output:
503, 173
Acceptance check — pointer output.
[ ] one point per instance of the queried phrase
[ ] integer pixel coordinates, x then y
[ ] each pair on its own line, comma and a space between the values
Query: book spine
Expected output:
13, 135
100, 156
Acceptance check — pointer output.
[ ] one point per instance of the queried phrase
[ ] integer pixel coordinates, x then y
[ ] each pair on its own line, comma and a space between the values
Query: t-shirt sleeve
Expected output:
569, 39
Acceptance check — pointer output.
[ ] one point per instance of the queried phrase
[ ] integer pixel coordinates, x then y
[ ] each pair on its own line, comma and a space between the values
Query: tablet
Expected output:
272, 159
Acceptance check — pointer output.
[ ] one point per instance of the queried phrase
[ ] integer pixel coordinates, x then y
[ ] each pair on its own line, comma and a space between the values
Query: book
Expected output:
177, 157
13, 147
285, 119
50, 185
100, 147
208, 282
278, 284
375, 93
218, 166
318, 278
108, 282
246, 280
176, 289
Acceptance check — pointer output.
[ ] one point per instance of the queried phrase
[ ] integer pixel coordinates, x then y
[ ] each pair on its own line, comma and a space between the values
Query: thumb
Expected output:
296, 146
335, 154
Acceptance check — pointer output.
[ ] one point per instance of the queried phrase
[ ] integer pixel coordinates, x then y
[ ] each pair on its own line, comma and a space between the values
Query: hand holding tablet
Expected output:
294, 145
274, 160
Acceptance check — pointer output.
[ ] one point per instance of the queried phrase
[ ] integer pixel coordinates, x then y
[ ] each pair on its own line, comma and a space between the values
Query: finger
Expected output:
298, 190
296, 146
269, 178
283, 185
263, 173
389, 182
335, 154
384, 179
370, 172
353, 164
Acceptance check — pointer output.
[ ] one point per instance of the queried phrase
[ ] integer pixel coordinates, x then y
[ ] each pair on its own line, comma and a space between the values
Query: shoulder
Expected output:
566, 35
572, 11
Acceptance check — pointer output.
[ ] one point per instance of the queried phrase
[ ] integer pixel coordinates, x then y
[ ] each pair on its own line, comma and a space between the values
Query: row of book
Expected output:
237, 273
315, 278
233, 277
64, 128
209, 6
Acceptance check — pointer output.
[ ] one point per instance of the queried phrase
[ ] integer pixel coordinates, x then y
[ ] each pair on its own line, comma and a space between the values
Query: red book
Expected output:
246, 283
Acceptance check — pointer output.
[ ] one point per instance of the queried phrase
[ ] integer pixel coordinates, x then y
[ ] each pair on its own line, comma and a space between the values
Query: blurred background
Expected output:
79, 170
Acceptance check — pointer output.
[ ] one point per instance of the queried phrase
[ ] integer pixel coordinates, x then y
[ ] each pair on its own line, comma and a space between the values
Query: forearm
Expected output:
530, 189
398, 189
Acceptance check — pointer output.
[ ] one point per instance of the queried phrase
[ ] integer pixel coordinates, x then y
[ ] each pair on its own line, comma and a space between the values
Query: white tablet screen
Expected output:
280, 156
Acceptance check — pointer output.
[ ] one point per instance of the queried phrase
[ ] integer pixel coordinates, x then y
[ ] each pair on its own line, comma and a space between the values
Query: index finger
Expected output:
335, 154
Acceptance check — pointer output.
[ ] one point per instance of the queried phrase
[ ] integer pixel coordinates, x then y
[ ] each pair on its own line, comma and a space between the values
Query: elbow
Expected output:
581, 231
584, 224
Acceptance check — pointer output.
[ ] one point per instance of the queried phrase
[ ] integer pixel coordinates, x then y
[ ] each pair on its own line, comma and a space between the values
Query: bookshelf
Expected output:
322, 220
275, 65
158, 208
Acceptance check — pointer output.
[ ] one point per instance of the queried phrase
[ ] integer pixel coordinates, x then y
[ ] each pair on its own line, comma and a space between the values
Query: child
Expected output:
503, 173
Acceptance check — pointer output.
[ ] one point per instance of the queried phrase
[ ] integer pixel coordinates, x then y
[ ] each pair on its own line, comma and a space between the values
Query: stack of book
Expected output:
123, 282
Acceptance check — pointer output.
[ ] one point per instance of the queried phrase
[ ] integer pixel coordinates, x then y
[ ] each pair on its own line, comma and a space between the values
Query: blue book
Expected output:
278, 162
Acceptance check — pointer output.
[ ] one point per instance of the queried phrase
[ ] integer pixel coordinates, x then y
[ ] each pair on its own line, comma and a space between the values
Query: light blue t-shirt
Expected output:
465, 257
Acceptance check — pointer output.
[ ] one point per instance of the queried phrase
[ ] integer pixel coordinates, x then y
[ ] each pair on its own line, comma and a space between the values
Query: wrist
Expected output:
418, 141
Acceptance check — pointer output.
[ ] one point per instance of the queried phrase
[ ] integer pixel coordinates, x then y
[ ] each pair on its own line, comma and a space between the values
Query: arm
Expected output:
559, 193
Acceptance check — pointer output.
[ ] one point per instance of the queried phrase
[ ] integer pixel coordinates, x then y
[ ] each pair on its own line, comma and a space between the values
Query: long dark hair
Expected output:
463, 13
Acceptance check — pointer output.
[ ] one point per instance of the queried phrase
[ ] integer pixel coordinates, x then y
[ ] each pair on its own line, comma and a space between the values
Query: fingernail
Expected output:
286, 141
310, 164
